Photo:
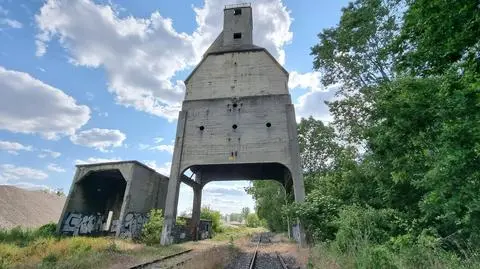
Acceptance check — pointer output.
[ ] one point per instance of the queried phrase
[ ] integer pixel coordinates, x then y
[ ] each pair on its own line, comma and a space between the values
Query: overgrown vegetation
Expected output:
393, 180
209, 214
152, 229
253, 221
41, 248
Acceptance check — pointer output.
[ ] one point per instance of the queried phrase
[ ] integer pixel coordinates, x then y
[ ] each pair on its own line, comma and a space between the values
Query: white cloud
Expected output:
224, 190
167, 148
101, 139
10, 172
13, 147
163, 169
141, 55
161, 147
47, 152
310, 80
30, 106
55, 168
271, 24
41, 69
12, 23
158, 139
313, 104
92, 160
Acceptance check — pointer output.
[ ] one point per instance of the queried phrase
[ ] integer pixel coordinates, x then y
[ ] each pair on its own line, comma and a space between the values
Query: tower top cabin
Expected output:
237, 25
233, 66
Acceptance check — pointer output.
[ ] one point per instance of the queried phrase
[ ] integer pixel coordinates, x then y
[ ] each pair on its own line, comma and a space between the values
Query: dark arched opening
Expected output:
95, 204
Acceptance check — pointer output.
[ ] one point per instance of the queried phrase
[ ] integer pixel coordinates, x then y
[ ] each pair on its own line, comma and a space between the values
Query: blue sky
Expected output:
85, 81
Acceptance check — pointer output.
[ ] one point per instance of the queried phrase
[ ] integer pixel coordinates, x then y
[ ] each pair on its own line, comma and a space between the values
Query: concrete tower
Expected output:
237, 120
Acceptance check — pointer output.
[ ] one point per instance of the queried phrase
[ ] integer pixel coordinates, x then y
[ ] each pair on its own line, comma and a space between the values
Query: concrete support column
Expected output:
296, 167
196, 209
174, 181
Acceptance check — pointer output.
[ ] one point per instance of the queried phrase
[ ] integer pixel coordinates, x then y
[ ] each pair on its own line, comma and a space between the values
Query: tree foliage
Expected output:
209, 214
152, 229
253, 221
402, 155
269, 198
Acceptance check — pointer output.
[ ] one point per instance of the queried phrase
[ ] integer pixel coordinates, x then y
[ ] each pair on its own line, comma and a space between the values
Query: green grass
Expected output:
362, 254
234, 233
40, 248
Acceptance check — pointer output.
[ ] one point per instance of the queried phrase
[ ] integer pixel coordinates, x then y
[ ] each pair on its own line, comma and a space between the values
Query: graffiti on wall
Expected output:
132, 225
82, 224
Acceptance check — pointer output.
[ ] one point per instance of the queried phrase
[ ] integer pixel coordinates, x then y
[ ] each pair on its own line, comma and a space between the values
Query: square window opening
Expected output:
237, 11
237, 35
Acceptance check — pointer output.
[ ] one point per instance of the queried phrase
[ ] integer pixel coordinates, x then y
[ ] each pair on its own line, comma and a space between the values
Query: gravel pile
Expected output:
20, 207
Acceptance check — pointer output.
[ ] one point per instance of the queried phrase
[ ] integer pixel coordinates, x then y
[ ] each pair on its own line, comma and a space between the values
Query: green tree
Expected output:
209, 214
356, 55
253, 221
436, 34
245, 212
269, 198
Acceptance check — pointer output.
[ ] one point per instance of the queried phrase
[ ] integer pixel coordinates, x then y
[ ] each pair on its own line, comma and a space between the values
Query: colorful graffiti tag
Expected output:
132, 225
82, 224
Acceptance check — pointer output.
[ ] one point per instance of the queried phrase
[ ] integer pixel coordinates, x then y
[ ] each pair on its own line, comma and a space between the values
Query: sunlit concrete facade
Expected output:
237, 120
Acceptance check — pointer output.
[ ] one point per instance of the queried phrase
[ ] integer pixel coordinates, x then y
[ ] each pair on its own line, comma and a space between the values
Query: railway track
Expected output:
172, 260
266, 260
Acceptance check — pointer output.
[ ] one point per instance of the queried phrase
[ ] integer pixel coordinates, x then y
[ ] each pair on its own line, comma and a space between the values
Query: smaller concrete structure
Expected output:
112, 198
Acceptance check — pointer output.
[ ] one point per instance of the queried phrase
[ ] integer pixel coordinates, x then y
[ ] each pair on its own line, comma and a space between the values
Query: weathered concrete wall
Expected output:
237, 120
123, 211
241, 23
251, 142
238, 74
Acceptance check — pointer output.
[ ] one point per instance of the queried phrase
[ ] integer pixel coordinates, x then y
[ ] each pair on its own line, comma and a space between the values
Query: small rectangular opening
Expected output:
237, 35
237, 11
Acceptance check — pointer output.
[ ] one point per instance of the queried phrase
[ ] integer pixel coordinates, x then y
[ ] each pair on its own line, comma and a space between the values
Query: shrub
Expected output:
46, 230
152, 230
357, 223
181, 221
253, 221
318, 214
214, 216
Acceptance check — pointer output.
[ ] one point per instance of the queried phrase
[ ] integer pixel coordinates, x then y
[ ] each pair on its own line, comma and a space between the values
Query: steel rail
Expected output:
159, 260
284, 265
252, 262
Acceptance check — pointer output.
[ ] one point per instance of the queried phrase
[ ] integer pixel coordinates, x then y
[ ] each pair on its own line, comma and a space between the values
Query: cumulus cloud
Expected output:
13, 147
47, 152
92, 160
163, 169
313, 104
30, 106
141, 55
55, 168
310, 80
9, 172
101, 139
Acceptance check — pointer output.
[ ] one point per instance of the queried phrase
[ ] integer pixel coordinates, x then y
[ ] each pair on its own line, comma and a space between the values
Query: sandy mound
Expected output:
28, 208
